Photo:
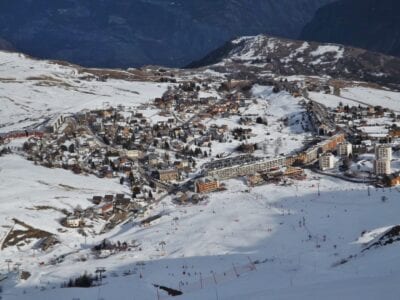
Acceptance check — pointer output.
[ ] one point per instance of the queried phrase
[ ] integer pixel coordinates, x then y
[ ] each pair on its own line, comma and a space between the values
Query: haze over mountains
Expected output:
369, 24
121, 33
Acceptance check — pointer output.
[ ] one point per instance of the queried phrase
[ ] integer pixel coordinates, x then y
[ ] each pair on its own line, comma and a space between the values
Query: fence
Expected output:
205, 281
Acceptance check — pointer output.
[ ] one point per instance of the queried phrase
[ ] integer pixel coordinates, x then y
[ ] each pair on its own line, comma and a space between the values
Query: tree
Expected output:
166, 145
136, 190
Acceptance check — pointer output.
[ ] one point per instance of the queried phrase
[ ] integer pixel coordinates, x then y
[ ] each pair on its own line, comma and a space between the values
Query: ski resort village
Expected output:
207, 183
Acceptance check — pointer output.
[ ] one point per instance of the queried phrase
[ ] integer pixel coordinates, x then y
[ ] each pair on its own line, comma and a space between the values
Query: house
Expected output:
97, 200
119, 197
255, 179
74, 222
106, 208
392, 179
134, 154
167, 175
182, 164
122, 203
153, 159
108, 198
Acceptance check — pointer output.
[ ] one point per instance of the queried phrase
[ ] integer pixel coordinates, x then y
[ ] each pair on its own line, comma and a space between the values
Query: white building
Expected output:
56, 123
383, 152
344, 149
74, 222
326, 161
134, 154
382, 167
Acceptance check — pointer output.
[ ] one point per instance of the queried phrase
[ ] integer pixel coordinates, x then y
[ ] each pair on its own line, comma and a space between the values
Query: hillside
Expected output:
270, 55
314, 235
135, 33
368, 24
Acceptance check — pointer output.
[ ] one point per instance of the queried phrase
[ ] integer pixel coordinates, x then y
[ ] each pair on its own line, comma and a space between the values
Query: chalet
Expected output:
167, 175
97, 200
395, 132
153, 159
119, 197
122, 203
392, 179
106, 208
255, 179
182, 164
108, 198
74, 221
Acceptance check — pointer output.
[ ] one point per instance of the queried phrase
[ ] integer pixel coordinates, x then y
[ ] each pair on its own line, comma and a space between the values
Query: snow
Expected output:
374, 97
25, 186
323, 49
273, 107
233, 226
357, 95
296, 235
329, 100
26, 101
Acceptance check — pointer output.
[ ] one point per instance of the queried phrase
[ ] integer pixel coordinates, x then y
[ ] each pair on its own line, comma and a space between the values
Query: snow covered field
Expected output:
354, 96
303, 240
294, 234
274, 108
26, 99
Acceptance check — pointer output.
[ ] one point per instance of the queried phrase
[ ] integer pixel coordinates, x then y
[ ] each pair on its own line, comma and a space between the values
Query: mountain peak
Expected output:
268, 54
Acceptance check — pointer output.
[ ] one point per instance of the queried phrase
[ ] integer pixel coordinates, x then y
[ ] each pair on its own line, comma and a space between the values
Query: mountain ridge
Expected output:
119, 34
368, 24
294, 57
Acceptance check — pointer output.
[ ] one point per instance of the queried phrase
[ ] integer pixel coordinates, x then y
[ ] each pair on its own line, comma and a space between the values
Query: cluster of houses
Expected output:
156, 146
105, 207
371, 130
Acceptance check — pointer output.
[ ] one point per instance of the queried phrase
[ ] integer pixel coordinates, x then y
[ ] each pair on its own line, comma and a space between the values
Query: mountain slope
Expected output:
121, 33
369, 24
274, 241
289, 57
4, 45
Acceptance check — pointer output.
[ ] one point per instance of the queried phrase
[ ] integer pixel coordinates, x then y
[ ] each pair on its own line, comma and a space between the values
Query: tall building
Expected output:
326, 161
344, 149
383, 152
382, 167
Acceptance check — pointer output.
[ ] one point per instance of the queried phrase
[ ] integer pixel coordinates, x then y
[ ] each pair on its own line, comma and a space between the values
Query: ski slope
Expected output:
294, 234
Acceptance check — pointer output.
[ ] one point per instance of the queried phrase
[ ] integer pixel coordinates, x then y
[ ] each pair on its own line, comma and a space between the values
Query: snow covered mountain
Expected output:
296, 240
273, 55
